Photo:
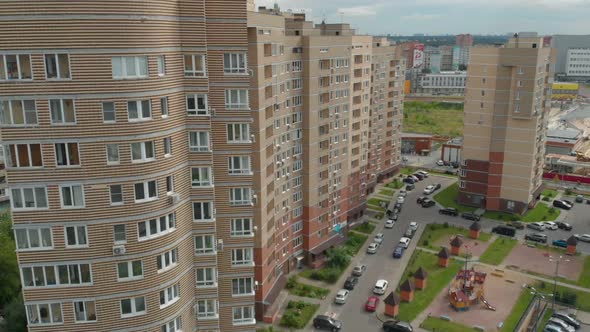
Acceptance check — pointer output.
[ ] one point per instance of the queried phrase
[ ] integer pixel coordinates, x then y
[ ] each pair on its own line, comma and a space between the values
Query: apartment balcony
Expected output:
358, 73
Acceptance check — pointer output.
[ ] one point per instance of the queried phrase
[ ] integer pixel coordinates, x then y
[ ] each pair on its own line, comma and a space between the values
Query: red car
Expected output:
372, 303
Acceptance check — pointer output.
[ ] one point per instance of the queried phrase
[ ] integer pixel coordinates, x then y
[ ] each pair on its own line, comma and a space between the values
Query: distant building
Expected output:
563, 141
443, 83
577, 65
563, 45
451, 151
460, 57
413, 143
564, 91
464, 40
446, 62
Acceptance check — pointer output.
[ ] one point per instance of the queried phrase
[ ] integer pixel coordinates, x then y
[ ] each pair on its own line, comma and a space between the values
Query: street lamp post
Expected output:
557, 260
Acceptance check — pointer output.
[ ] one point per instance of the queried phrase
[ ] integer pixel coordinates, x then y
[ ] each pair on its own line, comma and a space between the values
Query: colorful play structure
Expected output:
467, 289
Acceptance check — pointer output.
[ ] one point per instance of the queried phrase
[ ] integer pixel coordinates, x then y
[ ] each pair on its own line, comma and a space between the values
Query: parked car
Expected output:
564, 316
398, 207
409, 180
550, 225
579, 199
413, 176
588, 201
583, 237
470, 216
351, 282
455, 164
560, 323
378, 238
380, 287
536, 237
420, 199
394, 217
389, 223
429, 190
410, 233
563, 225
553, 328
372, 248
420, 176
400, 200
324, 322
397, 326
440, 163
539, 226
372, 303
404, 242
428, 203
516, 224
410, 187
504, 230
402, 193
437, 186
358, 270
424, 173
562, 204
560, 243
568, 202
341, 296
398, 252
414, 225
449, 211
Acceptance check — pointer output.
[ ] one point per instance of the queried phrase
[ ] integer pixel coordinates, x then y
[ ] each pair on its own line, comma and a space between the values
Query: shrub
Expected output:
514, 218
546, 198
292, 282
425, 243
446, 225
552, 210
379, 216
568, 191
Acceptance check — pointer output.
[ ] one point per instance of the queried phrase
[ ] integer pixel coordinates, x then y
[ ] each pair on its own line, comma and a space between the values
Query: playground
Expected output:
492, 285
476, 247
536, 260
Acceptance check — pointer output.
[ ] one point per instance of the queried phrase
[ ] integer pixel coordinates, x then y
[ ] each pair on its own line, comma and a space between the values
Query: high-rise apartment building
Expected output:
127, 131
328, 107
464, 40
506, 101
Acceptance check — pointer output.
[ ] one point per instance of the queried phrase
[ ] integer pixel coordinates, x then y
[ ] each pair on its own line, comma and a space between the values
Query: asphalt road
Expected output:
383, 266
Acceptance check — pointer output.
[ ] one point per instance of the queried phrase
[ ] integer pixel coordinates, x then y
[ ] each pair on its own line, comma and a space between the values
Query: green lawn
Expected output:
544, 320
396, 184
498, 250
448, 196
517, 310
549, 193
296, 288
441, 325
584, 279
366, 228
386, 192
541, 212
434, 232
298, 313
435, 118
582, 298
438, 279
407, 170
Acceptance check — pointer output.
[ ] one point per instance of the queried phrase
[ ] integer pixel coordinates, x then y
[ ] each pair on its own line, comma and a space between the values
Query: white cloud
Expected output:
420, 17
358, 11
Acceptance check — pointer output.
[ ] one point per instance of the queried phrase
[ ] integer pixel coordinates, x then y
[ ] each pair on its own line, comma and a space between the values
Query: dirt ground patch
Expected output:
476, 247
536, 260
499, 293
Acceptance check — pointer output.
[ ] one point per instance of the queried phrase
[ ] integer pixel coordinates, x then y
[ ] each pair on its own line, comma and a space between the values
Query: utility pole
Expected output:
557, 260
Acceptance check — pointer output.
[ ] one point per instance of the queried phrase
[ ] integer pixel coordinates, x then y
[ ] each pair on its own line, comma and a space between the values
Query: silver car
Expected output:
341, 296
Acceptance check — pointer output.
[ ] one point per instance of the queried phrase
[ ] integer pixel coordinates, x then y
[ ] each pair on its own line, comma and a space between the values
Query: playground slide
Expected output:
489, 306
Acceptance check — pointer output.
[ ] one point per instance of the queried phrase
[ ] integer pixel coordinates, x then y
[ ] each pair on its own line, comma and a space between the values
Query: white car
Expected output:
341, 296
372, 248
583, 237
402, 193
414, 225
400, 199
423, 173
389, 223
429, 190
378, 238
550, 225
440, 163
539, 226
560, 323
404, 242
380, 287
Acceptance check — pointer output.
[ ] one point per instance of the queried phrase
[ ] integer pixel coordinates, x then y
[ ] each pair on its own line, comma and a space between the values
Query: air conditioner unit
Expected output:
119, 250
173, 198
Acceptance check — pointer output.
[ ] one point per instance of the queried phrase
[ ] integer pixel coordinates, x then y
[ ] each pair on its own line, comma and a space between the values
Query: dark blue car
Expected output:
398, 252
560, 243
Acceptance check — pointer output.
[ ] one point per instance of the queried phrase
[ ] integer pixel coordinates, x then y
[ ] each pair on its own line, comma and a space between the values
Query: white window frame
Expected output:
118, 161
245, 286
146, 198
76, 236
206, 250
141, 69
243, 166
202, 147
57, 67
244, 253
9, 158
143, 151
244, 193
36, 307
87, 315
28, 233
208, 314
3, 63
193, 72
163, 225
204, 177
233, 65
164, 107
197, 111
241, 96
7, 107
161, 64
61, 112
67, 155
111, 194
241, 312
167, 260
170, 295
167, 142
134, 309
140, 110
209, 277
74, 203
72, 272
22, 198
241, 227
130, 272
201, 207
174, 325
106, 111
238, 133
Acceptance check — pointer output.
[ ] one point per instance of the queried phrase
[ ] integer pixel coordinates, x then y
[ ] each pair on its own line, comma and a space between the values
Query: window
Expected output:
243, 315
297, 83
116, 191
239, 165
298, 241
18, 112
241, 256
130, 270
206, 277
146, 191
119, 234
204, 244
234, 63
167, 260
520, 70
161, 61
33, 238
76, 236
236, 99
462, 184
62, 111
201, 176
132, 307
112, 154
56, 275
194, 65
296, 66
203, 211
57, 66
510, 205
174, 325
139, 110
23, 155
297, 227
206, 309
67, 154
142, 151
196, 104
72, 196
241, 227
240, 196
44, 313
169, 295
198, 141
108, 112
297, 196
28, 198
519, 83
170, 184
167, 141
242, 286
156, 227
238, 133
164, 106
15, 67
130, 67
85, 311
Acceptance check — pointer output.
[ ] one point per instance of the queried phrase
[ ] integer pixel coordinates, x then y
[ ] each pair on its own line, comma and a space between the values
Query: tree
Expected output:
338, 257
462, 67
9, 275
15, 318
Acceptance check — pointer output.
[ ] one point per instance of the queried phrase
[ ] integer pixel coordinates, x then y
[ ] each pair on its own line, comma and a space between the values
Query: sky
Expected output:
407, 17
